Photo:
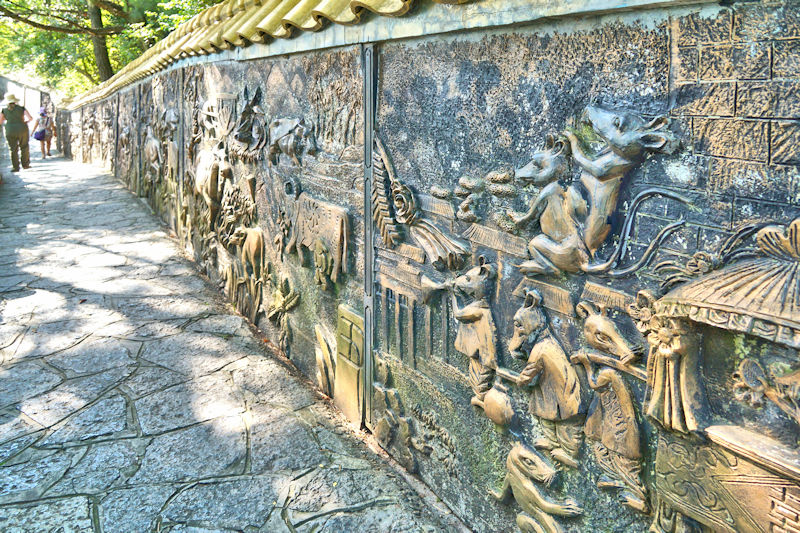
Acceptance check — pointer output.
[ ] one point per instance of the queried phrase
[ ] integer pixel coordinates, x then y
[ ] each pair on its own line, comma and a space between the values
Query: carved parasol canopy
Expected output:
759, 296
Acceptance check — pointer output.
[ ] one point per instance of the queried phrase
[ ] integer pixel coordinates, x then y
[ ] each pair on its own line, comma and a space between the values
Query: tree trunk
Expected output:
99, 43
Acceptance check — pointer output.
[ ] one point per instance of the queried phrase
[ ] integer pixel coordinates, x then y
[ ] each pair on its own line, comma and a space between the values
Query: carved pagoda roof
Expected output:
759, 296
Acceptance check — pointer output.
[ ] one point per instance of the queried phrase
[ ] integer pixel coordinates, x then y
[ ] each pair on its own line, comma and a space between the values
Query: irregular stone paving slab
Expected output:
131, 393
92, 356
186, 404
70, 514
106, 417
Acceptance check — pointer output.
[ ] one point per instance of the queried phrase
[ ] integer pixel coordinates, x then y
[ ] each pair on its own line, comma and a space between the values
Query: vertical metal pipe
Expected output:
369, 71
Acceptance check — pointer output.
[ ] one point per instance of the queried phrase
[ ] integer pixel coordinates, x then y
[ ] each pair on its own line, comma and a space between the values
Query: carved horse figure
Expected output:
575, 221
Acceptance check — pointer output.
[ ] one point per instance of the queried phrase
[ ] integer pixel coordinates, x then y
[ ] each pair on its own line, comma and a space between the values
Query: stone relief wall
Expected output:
586, 246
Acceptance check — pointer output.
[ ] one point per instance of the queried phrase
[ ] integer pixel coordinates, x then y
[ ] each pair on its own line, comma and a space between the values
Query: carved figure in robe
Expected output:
527, 470
152, 156
477, 333
611, 423
556, 393
170, 122
676, 397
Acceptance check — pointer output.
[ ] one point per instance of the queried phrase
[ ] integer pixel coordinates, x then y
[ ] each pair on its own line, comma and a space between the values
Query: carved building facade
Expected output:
548, 254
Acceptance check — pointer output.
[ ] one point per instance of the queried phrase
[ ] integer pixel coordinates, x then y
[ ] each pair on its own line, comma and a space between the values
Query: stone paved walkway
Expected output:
133, 399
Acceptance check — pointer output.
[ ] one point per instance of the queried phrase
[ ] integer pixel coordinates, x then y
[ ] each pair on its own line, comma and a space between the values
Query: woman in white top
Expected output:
44, 130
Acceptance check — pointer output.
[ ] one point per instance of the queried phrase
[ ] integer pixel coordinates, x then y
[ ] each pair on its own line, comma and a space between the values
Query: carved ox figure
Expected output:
313, 220
290, 137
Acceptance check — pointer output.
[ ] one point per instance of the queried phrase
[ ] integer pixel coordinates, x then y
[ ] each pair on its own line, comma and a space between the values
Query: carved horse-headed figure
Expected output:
290, 137
575, 221
611, 424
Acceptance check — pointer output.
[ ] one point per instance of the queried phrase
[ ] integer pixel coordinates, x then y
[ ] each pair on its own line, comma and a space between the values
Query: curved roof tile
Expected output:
236, 23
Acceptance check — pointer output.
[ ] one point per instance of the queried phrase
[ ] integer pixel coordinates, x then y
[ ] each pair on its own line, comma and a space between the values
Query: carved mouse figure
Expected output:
556, 395
477, 333
578, 221
628, 137
526, 470
602, 333
549, 210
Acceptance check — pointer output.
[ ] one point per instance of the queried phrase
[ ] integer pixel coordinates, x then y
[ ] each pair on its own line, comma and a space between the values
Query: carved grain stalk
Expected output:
383, 178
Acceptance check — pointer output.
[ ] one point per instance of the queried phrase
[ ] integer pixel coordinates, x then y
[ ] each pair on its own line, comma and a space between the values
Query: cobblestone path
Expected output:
133, 399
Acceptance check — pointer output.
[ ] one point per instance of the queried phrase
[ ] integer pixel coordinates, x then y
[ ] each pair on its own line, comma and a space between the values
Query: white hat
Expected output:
11, 99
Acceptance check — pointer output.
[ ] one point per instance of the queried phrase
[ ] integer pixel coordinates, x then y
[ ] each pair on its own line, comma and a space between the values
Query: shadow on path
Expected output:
132, 398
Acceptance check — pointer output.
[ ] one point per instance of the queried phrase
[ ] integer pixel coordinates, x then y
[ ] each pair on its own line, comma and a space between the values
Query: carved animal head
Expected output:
291, 188
477, 281
546, 165
602, 334
629, 134
238, 236
170, 121
526, 463
307, 138
529, 321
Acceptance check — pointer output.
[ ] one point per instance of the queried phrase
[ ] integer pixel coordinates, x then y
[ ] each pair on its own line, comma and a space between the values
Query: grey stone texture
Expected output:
132, 399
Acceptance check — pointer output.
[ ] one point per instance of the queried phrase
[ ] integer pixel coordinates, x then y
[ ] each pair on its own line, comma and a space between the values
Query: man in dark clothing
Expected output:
16, 118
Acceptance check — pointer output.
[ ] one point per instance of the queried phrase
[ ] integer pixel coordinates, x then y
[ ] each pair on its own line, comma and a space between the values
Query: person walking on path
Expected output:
44, 130
16, 118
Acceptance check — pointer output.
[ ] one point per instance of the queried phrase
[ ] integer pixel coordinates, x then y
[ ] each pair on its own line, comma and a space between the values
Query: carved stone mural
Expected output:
551, 267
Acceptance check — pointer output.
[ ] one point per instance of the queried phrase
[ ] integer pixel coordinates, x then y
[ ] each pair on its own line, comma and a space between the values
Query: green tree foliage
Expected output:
74, 44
